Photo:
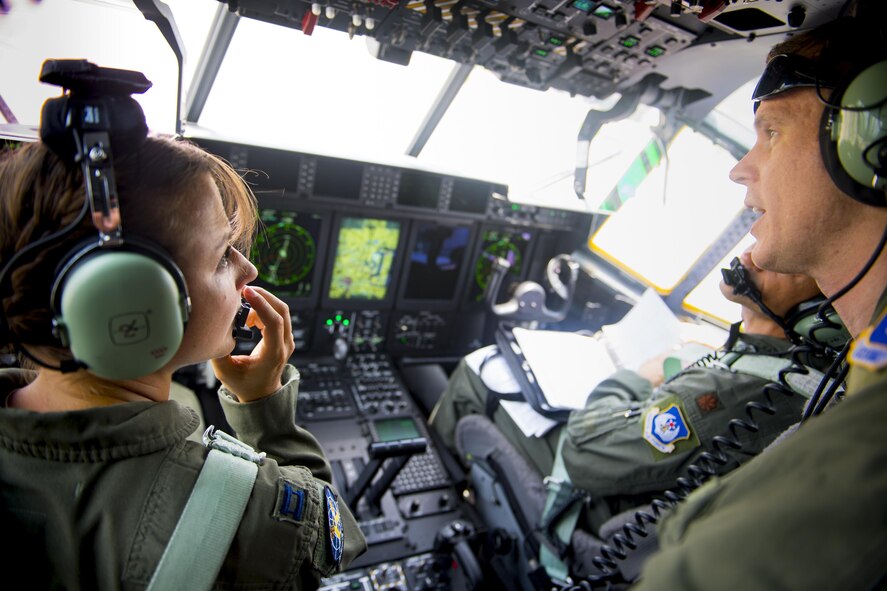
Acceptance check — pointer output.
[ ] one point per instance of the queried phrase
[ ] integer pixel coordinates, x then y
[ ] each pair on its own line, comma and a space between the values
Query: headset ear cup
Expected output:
804, 320
122, 312
854, 172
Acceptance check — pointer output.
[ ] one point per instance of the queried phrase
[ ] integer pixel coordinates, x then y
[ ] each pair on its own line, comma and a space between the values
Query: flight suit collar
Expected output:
91, 435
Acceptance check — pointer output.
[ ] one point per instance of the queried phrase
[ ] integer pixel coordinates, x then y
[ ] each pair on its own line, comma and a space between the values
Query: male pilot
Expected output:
811, 512
610, 448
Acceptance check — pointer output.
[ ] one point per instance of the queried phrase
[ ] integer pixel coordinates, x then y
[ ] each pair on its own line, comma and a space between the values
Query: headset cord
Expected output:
827, 388
65, 365
707, 463
706, 466
865, 269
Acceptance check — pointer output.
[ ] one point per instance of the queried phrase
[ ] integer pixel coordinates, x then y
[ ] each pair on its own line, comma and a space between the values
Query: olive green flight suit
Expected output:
90, 498
810, 513
606, 452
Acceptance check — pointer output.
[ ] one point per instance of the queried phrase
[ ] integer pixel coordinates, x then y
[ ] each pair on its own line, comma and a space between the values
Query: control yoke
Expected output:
527, 302
398, 452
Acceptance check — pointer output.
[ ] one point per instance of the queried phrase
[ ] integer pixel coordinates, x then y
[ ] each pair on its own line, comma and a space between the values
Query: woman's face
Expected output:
215, 273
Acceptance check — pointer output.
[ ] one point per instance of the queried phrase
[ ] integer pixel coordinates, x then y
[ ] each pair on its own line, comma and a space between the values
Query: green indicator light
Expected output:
346, 322
555, 40
629, 41
515, 207
329, 321
655, 51
338, 317
583, 5
603, 11
540, 52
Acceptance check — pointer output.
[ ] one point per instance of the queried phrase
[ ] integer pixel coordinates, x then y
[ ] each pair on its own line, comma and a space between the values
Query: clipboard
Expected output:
529, 386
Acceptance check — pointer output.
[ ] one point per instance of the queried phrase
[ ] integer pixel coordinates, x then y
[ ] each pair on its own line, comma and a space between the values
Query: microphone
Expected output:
241, 332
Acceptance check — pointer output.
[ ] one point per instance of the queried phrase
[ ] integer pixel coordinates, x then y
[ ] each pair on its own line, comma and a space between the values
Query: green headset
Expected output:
817, 326
853, 136
813, 321
119, 304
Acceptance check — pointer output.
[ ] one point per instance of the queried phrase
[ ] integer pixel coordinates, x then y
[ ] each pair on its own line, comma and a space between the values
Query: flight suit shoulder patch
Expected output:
335, 529
667, 430
869, 351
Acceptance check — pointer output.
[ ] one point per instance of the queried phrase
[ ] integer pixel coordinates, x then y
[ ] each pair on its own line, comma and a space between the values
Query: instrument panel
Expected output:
592, 48
381, 259
379, 265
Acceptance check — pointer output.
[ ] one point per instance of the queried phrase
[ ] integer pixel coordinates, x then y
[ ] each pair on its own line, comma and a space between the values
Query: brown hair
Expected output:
845, 46
40, 194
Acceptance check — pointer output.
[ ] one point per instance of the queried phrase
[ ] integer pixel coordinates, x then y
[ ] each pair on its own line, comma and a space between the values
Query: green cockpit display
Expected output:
510, 245
285, 251
365, 249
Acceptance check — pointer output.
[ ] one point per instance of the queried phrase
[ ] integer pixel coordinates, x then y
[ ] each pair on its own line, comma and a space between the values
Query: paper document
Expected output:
647, 330
495, 374
567, 365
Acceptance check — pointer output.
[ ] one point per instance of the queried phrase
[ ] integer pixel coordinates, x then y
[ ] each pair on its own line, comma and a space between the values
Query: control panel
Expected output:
587, 47
353, 407
424, 572
377, 259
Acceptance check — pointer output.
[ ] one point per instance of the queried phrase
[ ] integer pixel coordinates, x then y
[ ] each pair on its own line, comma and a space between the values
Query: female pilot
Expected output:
95, 472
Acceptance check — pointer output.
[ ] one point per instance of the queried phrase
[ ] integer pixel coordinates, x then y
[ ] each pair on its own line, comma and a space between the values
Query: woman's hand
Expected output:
257, 375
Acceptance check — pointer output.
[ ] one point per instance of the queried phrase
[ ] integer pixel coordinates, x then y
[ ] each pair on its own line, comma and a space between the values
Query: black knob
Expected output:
796, 16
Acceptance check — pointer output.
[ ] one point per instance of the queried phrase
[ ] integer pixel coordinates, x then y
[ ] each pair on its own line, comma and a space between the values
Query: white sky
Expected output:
326, 94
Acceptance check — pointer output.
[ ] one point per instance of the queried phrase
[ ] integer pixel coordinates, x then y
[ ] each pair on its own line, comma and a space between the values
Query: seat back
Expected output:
510, 496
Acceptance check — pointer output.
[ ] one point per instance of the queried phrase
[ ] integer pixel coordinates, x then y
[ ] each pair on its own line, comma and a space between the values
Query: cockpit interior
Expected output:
459, 164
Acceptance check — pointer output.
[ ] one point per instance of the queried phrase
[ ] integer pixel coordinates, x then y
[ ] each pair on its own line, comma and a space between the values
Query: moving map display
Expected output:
285, 251
365, 249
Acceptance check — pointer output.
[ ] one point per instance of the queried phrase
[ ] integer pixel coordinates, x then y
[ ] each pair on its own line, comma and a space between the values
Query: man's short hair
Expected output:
845, 46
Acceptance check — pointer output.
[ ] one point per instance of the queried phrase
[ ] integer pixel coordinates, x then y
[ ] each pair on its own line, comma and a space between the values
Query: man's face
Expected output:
788, 184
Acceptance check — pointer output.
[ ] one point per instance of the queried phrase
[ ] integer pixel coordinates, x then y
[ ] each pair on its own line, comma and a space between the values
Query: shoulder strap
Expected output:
559, 516
193, 557
769, 367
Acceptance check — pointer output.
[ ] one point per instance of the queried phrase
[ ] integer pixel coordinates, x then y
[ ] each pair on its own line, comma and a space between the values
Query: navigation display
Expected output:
273, 170
435, 262
340, 179
395, 429
470, 196
508, 243
285, 251
418, 189
365, 249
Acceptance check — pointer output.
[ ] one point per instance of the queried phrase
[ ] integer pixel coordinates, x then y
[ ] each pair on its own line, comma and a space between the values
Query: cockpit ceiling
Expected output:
585, 47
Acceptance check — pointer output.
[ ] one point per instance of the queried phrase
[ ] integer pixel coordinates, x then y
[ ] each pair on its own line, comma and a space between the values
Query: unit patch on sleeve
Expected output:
334, 525
664, 428
870, 349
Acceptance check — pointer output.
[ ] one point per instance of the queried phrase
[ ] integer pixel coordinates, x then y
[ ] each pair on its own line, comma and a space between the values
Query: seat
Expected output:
510, 496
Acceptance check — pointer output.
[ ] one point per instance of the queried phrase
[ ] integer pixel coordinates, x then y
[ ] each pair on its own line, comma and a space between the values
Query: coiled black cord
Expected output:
709, 462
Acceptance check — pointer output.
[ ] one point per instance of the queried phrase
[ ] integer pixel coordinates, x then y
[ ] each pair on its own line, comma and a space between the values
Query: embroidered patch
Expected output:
870, 349
869, 356
663, 428
707, 402
879, 333
291, 502
334, 525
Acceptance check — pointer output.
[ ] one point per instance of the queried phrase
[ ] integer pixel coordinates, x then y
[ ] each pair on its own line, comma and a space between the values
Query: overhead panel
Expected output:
590, 48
